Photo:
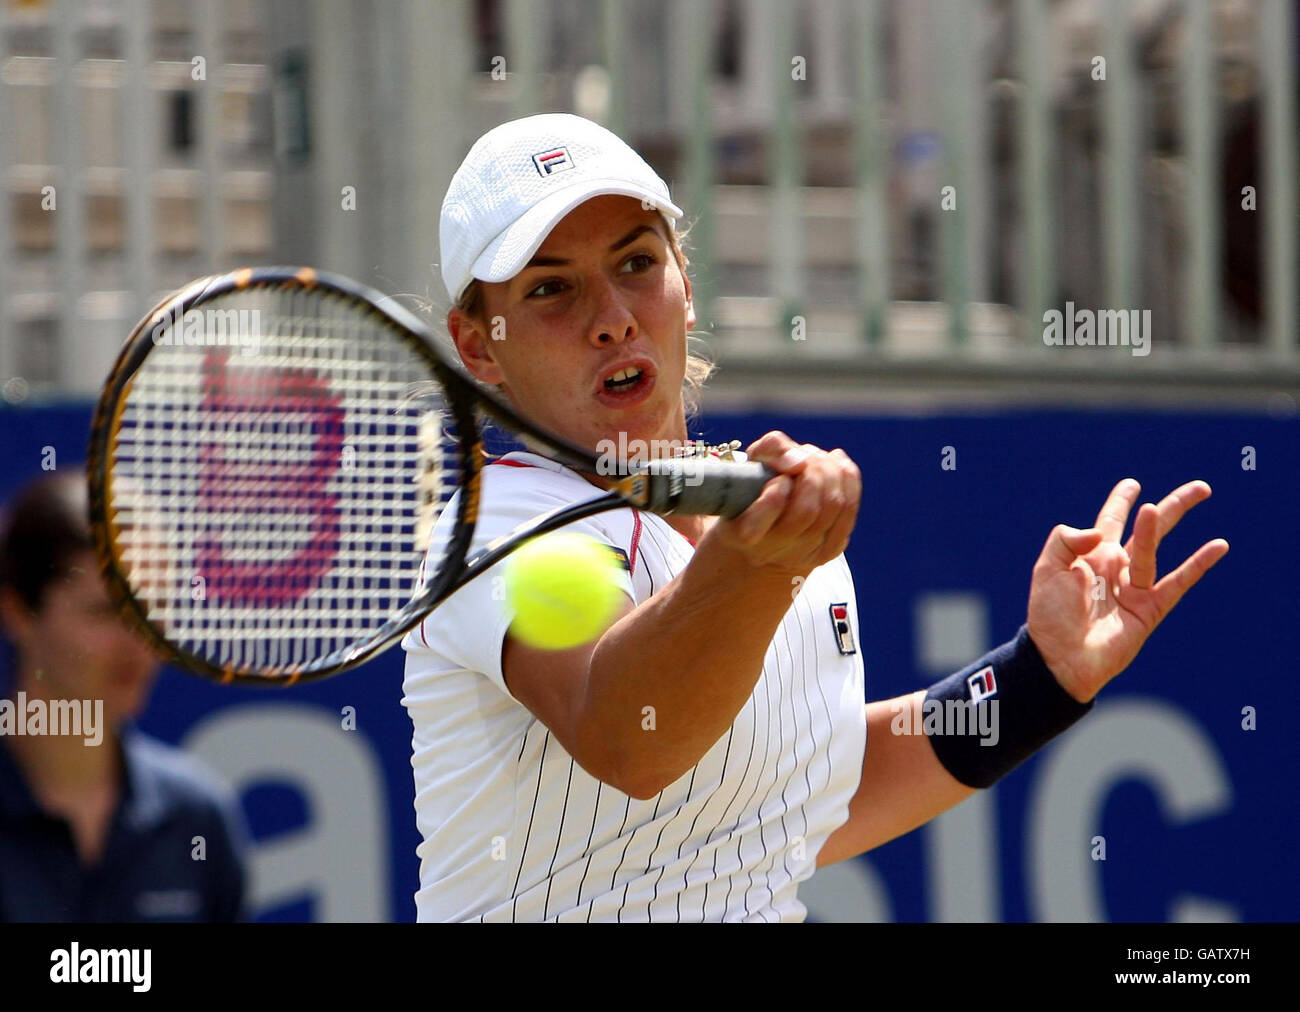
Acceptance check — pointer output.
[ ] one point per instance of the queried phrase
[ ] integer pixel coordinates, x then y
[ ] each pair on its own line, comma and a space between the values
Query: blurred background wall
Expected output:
880, 191
887, 197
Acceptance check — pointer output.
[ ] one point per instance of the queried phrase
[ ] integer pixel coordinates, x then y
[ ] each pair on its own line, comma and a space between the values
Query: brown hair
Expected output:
45, 527
698, 367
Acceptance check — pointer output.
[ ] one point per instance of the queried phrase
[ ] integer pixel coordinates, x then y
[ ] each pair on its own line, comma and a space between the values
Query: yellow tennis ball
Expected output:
562, 590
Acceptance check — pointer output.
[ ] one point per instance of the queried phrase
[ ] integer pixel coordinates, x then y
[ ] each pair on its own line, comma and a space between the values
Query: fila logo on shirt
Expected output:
982, 685
843, 628
550, 162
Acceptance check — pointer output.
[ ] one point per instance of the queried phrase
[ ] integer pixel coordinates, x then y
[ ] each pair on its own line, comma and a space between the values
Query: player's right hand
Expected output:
804, 516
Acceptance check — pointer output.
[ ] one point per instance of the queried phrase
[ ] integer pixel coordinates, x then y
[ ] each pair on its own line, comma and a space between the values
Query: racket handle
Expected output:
702, 486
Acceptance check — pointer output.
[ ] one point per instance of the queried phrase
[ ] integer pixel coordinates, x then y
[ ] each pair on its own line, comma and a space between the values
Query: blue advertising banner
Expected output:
1174, 800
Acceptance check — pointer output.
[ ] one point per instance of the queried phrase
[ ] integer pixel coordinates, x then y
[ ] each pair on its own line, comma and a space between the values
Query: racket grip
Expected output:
703, 486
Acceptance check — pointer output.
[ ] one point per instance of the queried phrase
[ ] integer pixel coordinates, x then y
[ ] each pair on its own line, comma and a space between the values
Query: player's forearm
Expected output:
929, 750
903, 784
668, 679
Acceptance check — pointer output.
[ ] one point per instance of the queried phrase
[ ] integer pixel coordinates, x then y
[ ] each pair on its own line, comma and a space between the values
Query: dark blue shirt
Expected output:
149, 869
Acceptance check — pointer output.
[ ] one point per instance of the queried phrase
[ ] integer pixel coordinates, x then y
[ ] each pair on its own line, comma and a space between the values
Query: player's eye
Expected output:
553, 287
639, 262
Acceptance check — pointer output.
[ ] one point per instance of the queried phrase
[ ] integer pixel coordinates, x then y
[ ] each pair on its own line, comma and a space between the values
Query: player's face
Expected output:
603, 294
77, 646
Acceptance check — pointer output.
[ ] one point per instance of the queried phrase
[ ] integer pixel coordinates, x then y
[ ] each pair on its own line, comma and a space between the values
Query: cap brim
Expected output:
506, 255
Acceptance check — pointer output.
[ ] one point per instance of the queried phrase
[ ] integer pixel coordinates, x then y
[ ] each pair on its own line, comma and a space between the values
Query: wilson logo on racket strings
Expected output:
241, 484
209, 328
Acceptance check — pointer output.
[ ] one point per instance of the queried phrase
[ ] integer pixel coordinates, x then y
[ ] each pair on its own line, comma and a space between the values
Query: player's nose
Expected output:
612, 320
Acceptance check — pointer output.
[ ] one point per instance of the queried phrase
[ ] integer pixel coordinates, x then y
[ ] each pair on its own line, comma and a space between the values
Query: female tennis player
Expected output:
709, 751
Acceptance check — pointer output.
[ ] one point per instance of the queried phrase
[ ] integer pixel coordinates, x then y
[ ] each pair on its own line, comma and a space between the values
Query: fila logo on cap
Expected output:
982, 685
550, 162
843, 630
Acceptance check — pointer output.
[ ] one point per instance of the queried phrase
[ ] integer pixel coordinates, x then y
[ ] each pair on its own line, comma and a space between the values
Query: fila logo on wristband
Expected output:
843, 629
982, 684
550, 162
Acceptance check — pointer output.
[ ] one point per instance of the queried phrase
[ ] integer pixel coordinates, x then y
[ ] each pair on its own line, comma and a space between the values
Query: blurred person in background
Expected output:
105, 824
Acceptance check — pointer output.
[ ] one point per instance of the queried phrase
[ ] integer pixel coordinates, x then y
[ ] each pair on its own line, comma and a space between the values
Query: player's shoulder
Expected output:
523, 478
834, 577
521, 486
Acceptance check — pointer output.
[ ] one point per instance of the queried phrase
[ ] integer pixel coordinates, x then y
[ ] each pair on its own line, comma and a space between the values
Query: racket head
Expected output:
260, 482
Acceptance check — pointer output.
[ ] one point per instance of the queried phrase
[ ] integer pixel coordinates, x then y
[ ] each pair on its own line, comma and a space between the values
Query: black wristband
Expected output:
1007, 705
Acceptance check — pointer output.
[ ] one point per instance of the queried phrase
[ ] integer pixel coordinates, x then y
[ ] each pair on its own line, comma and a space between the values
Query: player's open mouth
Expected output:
624, 379
629, 384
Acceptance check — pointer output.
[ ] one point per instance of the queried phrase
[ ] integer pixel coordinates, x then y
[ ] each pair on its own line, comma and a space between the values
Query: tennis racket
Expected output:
268, 456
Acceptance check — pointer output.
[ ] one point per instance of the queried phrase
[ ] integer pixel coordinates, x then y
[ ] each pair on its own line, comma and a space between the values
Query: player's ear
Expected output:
690, 304
16, 619
474, 345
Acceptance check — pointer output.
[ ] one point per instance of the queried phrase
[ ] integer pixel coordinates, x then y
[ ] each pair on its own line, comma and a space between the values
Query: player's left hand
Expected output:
1093, 602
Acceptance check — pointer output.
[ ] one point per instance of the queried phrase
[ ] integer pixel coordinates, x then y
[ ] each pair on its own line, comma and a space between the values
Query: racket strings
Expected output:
273, 492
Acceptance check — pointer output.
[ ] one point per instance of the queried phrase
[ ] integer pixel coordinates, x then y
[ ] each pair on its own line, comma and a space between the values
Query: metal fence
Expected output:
887, 196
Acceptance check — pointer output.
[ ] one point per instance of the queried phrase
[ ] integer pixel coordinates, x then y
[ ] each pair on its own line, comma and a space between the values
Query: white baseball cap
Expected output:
517, 182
